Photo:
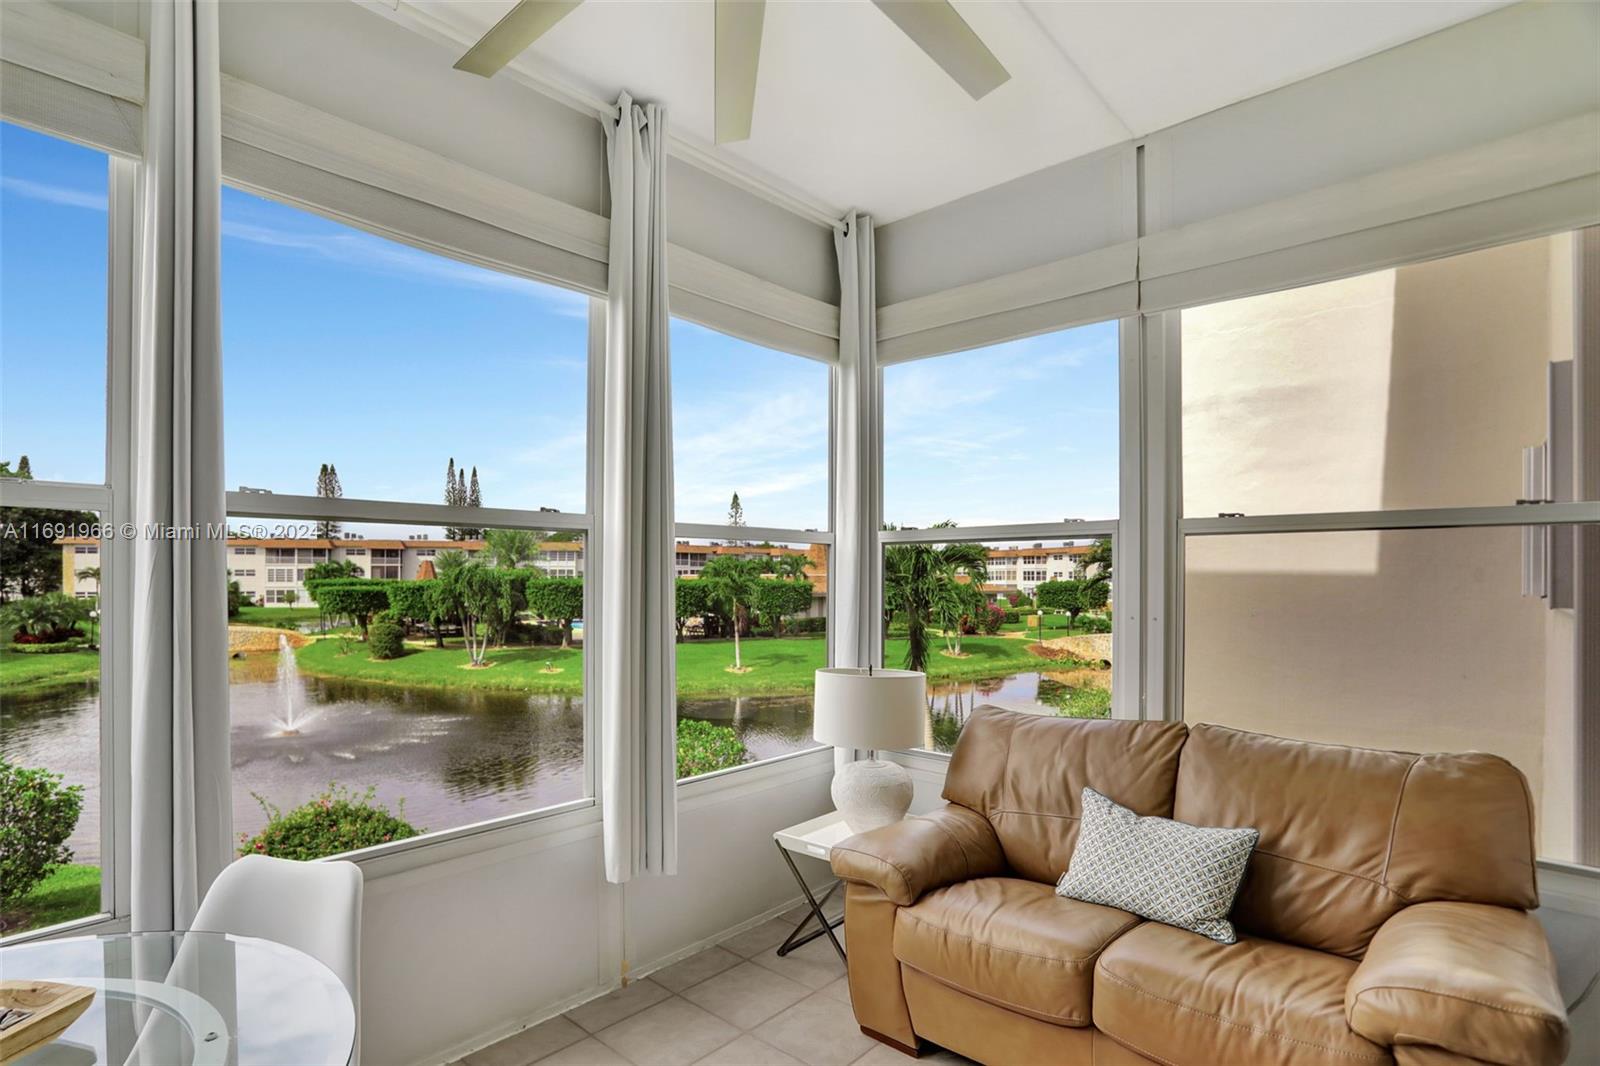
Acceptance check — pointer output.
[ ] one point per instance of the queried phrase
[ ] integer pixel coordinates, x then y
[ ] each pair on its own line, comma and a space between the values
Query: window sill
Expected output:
93, 925
722, 785
527, 831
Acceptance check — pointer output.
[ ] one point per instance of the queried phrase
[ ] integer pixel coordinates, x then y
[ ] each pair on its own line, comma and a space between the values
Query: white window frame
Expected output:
445, 843
111, 500
1128, 687
1167, 669
685, 531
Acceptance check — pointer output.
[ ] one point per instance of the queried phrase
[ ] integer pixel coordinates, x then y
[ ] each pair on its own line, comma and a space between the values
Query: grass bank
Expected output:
22, 674
277, 617
72, 891
774, 666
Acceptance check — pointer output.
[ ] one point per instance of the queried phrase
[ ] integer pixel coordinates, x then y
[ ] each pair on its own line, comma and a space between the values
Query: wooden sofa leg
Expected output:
914, 1052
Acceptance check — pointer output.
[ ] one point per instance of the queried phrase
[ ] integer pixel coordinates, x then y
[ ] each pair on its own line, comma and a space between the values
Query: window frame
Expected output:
1177, 527
1128, 638
111, 499
442, 844
687, 531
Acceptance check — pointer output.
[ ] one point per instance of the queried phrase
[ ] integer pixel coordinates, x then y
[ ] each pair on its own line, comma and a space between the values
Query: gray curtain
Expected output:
855, 463
182, 802
638, 706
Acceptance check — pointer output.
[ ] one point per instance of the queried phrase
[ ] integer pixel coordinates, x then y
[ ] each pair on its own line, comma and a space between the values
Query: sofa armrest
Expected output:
1469, 978
919, 854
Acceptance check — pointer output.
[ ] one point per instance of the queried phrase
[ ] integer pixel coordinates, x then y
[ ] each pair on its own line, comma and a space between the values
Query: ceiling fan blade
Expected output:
738, 53
520, 27
940, 31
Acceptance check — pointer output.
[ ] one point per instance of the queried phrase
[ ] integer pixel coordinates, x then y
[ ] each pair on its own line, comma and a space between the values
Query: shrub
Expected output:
37, 815
993, 618
556, 599
704, 747
386, 638
355, 598
335, 822
806, 626
1011, 617
45, 619
1093, 623
57, 648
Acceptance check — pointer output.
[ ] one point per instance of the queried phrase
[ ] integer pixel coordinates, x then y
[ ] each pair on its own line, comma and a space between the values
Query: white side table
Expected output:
815, 838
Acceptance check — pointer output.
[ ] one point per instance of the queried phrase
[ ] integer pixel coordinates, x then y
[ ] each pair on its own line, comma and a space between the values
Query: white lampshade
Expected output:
881, 710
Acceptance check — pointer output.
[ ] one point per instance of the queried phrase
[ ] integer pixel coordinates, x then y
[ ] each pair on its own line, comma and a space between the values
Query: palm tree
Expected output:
788, 565
54, 612
731, 586
510, 548
920, 579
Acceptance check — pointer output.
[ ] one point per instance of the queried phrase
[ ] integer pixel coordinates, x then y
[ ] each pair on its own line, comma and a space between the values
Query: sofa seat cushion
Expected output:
1013, 943
1177, 997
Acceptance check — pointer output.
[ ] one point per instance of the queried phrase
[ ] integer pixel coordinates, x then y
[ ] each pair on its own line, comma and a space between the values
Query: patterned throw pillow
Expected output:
1169, 872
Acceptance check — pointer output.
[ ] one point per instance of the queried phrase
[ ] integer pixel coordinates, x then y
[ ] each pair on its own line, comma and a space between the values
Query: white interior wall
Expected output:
459, 952
1512, 70
1071, 208
351, 63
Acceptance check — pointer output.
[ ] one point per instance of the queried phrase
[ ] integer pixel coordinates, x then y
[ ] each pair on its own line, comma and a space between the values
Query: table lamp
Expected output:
875, 710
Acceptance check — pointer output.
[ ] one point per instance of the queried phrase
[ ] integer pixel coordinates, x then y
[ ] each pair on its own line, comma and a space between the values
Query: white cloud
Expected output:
365, 252
59, 195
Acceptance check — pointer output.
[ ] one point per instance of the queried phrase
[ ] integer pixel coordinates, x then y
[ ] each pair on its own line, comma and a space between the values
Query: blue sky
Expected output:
344, 347
52, 305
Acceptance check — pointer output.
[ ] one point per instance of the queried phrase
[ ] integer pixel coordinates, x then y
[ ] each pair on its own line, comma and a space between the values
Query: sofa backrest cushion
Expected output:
1349, 836
1026, 772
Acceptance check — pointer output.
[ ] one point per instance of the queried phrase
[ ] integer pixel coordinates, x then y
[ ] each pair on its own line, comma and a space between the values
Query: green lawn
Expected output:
774, 666
70, 892
515, 669
22, 674
277, 617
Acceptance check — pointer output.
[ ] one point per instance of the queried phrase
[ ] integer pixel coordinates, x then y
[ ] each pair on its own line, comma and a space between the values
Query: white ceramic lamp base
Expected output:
871, 793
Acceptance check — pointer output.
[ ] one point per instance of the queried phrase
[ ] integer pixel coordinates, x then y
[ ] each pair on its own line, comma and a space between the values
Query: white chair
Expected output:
314, 907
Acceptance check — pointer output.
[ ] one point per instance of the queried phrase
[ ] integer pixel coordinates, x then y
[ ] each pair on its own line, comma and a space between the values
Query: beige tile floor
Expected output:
736, 1004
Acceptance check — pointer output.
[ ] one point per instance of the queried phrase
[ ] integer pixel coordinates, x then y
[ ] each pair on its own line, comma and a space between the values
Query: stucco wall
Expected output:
1415, 387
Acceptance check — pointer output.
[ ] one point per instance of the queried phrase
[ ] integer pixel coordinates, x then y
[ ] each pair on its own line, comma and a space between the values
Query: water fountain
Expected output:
289, 691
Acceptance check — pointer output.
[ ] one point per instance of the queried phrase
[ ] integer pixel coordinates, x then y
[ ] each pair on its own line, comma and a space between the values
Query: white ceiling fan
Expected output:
933, 25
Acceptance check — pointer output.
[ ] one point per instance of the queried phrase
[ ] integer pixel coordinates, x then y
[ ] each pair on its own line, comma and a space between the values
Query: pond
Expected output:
453, 757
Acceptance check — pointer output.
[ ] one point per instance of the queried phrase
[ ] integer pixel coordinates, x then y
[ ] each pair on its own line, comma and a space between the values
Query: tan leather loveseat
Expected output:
1383, 917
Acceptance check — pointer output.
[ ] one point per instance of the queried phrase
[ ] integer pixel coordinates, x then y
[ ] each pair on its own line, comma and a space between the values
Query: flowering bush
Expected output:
705, 746
335, 822
37, 815
993, 617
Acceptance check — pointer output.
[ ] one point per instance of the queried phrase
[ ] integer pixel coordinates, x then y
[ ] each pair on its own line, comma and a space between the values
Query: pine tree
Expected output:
473, 498
328, 489
736, 515
24, 469
451, 532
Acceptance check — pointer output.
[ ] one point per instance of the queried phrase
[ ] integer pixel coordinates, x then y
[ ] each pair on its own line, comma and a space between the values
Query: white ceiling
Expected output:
852, 114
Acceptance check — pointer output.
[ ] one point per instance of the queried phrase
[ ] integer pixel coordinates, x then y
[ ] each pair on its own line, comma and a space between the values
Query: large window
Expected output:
1018, 442
1020, 432
1346, 405
750, 429
749, 432
55, 735
991, 628
415, 658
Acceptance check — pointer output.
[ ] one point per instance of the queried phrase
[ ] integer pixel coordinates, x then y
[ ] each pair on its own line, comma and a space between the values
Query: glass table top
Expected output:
189, 999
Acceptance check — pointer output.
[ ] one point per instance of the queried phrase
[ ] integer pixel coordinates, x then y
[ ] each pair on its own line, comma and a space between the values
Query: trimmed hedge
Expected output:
386, 638
80, 644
